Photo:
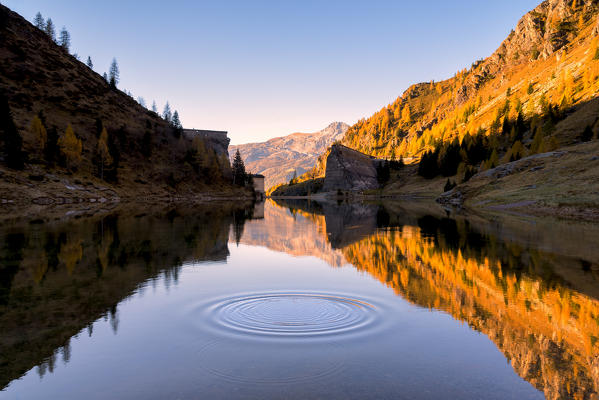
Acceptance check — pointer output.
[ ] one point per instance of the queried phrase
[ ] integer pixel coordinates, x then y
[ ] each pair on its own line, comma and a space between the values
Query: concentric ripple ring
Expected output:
293, 314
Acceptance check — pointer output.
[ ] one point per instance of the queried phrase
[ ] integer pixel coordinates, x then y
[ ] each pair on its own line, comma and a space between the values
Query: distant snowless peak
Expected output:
278, 159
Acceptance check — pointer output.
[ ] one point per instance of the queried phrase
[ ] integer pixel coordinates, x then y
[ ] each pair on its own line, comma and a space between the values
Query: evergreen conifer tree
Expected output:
114, 74
176, 122
89, 62
383, 172
449, 185
587, 134
51, 149
50, 29
65, 39
449, 158
239, 174
428, 167
167, 113
39, 21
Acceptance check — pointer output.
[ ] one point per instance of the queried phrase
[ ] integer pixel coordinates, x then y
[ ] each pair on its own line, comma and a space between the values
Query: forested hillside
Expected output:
536, 93
65, 130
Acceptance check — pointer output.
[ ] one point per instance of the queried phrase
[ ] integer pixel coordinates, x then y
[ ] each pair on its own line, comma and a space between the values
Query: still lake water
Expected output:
299, 300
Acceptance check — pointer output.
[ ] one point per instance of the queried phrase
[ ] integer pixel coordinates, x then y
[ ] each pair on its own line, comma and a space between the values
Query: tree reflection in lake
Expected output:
269, 325
540, 307
58, 278
531, 286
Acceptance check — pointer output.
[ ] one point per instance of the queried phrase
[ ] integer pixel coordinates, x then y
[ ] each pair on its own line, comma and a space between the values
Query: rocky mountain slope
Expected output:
548, 66
550, 58
566, 180
280, 157
537, 93
144, 154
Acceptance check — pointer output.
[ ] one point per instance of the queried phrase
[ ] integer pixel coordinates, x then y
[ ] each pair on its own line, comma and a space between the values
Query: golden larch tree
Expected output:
39, 132
70, 254
537, 145
70, 147
566, 90
406, 115
103, 152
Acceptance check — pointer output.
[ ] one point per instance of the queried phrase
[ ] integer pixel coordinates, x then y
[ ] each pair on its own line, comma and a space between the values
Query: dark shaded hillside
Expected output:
149, 156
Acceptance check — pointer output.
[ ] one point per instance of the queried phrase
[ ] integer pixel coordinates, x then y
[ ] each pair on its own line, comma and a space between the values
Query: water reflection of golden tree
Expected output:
548, 331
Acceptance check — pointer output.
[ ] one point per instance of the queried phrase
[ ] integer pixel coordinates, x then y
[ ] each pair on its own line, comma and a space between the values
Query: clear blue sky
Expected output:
261, 69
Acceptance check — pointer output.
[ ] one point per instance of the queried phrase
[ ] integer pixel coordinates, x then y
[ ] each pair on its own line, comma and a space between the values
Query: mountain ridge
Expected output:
537, 93
278, 158
543, 39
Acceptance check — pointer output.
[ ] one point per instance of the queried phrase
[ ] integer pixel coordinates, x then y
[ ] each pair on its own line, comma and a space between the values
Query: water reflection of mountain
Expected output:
529, 285
343, 223
58, 278
292, 231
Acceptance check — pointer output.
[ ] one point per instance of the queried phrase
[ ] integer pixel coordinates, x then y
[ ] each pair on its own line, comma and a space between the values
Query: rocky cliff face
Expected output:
549, 58
217, 142
541, 33
348, 169
277, 159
